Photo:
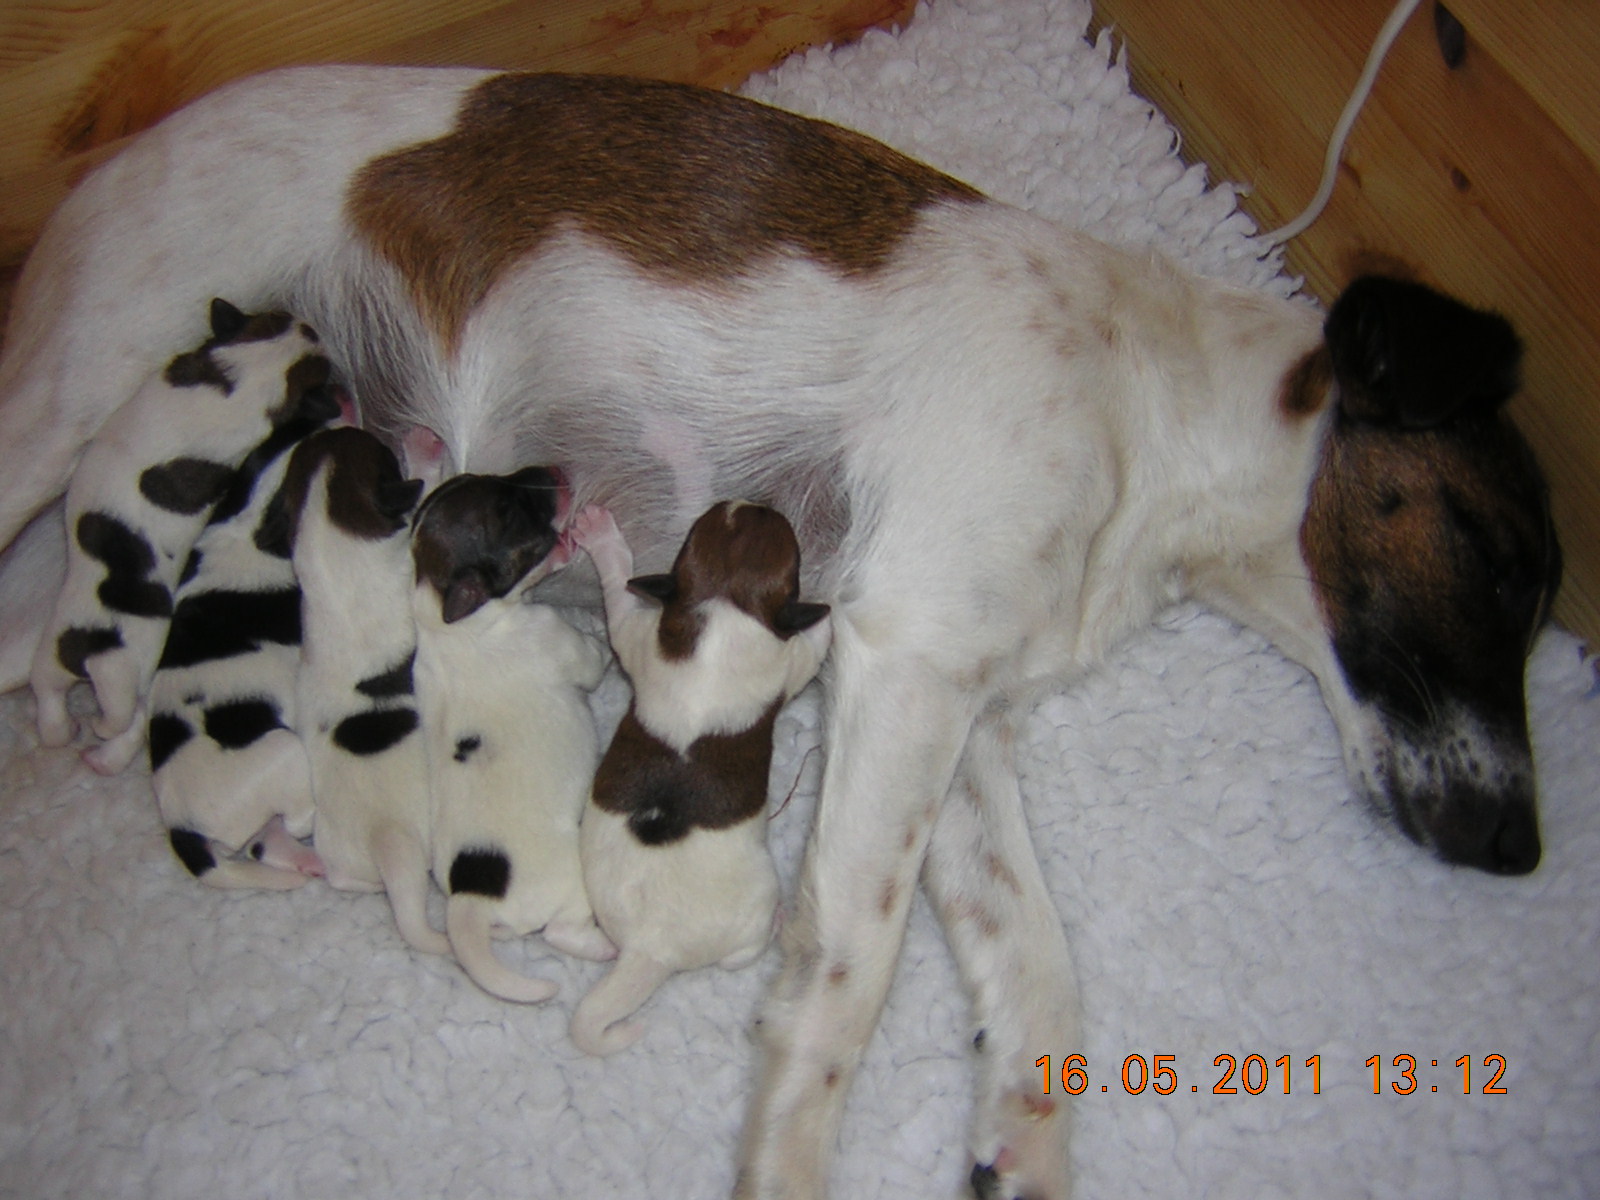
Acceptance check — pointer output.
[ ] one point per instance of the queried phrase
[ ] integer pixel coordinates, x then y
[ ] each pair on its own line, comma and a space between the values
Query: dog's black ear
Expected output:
464, 595
226, 320
275, 534
1405, 355
796, 617
655, 587
318, 404
396, 498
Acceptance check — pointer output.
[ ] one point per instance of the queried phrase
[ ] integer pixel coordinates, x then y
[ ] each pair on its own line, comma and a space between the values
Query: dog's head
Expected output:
745, 554
367, 495
478, 536
1434, 561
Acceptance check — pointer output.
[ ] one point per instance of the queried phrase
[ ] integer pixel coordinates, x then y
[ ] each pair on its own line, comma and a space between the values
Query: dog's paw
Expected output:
1030, 1161
594, 526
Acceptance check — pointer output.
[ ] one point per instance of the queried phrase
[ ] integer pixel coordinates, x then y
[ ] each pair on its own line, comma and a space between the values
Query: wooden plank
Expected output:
75, 80
1462, 174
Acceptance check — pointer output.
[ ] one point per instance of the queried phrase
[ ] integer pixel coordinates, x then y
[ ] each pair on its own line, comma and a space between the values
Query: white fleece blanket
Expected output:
1222, 890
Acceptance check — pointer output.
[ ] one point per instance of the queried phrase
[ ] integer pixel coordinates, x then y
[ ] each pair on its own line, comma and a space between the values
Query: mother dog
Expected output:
1004, 448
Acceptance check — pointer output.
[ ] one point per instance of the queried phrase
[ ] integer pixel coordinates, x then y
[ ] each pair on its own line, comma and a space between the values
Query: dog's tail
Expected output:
467, 920
599, 1025
403, 867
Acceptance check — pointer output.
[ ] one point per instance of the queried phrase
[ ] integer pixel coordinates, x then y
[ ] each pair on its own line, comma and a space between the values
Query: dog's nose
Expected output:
1514, 849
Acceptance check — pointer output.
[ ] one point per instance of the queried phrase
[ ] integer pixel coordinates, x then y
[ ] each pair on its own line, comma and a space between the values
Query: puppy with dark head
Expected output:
675, 839
511, 743
344, 513
140, 496
225, 756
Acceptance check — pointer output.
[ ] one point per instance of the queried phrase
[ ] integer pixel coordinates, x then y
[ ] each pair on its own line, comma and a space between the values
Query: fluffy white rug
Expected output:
1223, 892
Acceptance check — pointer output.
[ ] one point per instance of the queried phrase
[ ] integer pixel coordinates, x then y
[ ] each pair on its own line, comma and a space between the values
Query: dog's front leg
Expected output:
894, 736
983, 877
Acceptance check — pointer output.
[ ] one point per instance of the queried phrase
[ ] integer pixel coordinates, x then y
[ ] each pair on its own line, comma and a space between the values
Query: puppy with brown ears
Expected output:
511, 743
344, 511
674, 839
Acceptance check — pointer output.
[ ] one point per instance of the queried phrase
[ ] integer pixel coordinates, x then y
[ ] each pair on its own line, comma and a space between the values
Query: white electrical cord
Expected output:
1330, 164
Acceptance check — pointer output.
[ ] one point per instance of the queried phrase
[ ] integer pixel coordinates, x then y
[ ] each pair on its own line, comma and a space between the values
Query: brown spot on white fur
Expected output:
1308, 385
689, 184
367, 495
745, 554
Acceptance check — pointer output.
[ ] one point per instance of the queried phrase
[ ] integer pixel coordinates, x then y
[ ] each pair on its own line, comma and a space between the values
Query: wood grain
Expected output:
1484, 180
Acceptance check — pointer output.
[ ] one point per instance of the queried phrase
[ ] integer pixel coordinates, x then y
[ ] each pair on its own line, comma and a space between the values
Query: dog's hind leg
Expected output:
31, 571
895, 732
983, 877
403, 864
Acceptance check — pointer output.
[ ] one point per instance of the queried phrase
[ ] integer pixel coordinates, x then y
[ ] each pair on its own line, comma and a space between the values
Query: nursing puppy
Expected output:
225, 759
1004, 448
511, 741
140, 496
344, 512
675, 839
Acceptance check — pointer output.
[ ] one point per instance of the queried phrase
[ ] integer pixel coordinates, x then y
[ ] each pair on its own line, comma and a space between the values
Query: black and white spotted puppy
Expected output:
511, 742
229, 770
139, 498
674, 840
344, 511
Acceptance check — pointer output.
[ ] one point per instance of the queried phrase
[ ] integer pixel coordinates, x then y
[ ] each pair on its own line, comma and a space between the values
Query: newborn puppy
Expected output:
138, 500
224, 757
674, 839
343, 512
511, 741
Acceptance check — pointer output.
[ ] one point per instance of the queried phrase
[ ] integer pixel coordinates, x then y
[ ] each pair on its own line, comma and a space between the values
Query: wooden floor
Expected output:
1483, 178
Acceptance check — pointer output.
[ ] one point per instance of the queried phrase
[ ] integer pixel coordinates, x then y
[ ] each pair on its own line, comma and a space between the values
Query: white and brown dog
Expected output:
510, 739
140, 496
1004, 447
675, 837
344, 511
227, 765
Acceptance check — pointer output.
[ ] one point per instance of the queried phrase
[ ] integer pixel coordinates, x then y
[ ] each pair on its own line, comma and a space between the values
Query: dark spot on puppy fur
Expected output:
193, 850
167, 734
396, 681
373, 732
978, 1039
224, 624
77, 645
466, 746
239, 723
368, 497
481, 872
185, 485
720, 781
128, 558
198, 369
985, 1182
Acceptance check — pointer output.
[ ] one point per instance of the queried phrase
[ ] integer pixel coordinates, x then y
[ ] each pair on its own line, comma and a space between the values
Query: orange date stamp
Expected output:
1255, 1075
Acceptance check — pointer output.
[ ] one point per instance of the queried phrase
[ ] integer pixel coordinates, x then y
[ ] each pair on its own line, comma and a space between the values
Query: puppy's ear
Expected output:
797, 616
396, 498
663, 588
1405, 355
464, 595
226, 320
275, 534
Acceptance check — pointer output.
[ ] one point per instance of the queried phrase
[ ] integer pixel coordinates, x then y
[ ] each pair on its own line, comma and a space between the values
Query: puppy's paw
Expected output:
593, 527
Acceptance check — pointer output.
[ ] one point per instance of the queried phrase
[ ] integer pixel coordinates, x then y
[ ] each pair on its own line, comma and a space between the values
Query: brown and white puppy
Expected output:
139, 498
344, 512
225, 757
675, 838
1004, 447
511, 742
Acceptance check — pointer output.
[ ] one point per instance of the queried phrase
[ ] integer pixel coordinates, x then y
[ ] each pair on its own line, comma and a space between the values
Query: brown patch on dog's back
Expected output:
687, 183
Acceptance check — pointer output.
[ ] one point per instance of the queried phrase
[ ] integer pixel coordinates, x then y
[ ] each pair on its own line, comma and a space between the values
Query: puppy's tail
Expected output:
599, 1025
403, 867
467, 920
